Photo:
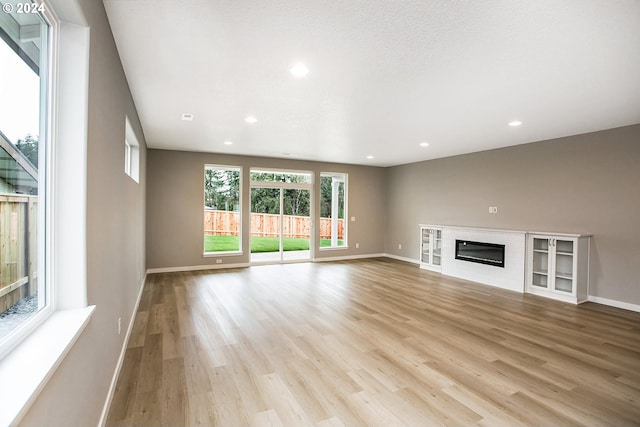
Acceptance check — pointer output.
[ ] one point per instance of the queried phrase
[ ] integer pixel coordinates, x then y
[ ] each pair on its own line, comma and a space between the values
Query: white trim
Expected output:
280, 262
240, 170
131, 151
196, 268
614, 303
348, 257
116, 373
27, 369
69, 202
401, 258
221, 254
333, 248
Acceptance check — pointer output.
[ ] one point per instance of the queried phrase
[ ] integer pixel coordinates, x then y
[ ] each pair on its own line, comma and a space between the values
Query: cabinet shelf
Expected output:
431, 247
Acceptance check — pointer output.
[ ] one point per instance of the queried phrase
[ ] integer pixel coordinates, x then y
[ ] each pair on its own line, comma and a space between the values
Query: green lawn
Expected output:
259, 244
221, 243
271, 244
325, 243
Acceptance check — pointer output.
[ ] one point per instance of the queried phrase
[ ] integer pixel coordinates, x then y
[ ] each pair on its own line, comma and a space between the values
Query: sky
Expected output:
19, 96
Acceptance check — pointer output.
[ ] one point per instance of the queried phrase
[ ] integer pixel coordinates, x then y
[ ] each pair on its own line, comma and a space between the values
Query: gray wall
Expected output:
175, 201
580, 184
76, 393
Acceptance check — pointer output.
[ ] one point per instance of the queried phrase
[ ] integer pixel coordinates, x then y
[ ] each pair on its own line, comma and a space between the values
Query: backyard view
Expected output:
260, 244
280, 216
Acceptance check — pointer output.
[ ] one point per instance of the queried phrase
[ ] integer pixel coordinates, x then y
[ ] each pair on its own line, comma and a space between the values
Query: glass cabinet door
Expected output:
540, 269
564, 265
426, 242
437, 247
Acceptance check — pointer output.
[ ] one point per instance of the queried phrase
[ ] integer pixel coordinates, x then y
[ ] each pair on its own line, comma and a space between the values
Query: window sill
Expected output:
28, 367
333, 248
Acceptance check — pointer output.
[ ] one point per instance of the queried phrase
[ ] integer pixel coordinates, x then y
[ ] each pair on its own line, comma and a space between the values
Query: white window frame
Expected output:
41, 343
45, 289
345, 240
131, 152
240, 170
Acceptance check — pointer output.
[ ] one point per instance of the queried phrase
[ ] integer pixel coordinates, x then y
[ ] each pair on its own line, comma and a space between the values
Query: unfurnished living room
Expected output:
319, 213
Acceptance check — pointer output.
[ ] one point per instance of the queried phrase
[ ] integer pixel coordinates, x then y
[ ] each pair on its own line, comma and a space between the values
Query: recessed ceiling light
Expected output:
250, 119
228, 143
299, 70
369, 157
187, 117
424, 144
515, 123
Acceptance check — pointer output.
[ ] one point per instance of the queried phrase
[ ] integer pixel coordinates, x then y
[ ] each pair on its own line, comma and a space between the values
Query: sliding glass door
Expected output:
266, 225
281, 225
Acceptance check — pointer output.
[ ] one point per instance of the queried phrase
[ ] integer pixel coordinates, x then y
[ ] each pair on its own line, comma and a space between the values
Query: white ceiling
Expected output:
385, 75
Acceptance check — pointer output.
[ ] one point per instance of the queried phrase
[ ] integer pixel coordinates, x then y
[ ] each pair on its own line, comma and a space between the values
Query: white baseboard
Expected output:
401, 258
615, 303
116, 374
348, 257
196, 268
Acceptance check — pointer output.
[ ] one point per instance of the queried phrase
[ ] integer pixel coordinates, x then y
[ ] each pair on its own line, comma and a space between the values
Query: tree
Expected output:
29, 147
296, 202
267, 200
326, 193
222, 189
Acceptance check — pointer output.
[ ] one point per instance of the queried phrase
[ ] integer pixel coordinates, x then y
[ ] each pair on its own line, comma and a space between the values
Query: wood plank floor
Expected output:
371, 342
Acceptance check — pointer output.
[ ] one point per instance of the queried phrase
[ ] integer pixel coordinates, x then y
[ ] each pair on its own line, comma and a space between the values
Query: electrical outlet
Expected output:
119, 325
218, 261
353, 219
399, 245
357, 245
493, 209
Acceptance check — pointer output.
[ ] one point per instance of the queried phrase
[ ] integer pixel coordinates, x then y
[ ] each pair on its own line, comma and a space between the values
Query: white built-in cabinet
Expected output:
558, 266
431, 247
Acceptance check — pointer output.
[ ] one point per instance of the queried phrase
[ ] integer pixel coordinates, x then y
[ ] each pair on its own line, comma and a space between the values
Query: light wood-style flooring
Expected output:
371, 342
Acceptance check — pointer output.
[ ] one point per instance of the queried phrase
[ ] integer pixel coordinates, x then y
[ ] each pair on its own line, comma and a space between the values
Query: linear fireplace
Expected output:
480, 252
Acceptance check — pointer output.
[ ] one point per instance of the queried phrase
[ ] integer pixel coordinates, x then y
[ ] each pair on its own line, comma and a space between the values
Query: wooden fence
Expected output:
18, 248
218, 223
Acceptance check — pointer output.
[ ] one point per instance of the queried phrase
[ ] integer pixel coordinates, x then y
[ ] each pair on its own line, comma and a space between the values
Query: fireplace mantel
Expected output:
511, 277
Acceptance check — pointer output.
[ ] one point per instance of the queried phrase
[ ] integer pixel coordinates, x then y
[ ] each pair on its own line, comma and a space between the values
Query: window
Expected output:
286, 177
222, 219
281, 225
24, 109
55, 40
333, 210
131, 152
